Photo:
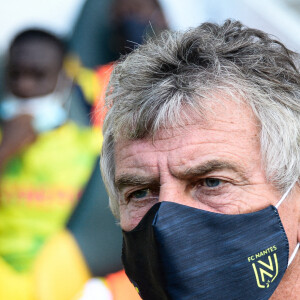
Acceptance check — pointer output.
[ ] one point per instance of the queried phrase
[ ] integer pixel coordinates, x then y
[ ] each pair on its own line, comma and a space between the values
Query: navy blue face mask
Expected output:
180, 252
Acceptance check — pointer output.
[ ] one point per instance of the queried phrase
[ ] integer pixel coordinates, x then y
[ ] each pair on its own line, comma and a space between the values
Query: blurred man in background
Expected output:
46, 158
33, 70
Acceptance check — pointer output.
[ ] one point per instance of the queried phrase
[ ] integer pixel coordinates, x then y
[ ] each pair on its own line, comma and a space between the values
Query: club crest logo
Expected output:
265, 266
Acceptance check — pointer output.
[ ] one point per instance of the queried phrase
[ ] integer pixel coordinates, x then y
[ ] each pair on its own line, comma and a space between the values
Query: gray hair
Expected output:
149, 88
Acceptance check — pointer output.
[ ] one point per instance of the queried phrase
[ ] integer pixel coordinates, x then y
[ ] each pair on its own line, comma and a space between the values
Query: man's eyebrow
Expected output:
125, 180
211, 166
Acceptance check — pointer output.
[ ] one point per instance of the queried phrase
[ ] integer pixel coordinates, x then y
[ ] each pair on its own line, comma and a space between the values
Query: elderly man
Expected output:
201, 158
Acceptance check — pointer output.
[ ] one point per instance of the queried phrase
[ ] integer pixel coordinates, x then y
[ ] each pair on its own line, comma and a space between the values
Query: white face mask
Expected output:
48, 111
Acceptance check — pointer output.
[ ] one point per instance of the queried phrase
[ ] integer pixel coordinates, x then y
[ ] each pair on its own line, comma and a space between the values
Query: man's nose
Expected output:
174, 191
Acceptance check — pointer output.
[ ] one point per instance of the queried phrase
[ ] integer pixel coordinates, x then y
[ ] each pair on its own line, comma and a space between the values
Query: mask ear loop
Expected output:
285, 195
277, 205
294, 254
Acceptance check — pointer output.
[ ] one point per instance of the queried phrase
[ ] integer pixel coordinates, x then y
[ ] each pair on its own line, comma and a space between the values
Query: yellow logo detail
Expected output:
265, 273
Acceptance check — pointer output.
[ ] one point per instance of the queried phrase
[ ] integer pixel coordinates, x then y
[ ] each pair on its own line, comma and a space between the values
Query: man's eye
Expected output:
143, 194
140, 194
212, 182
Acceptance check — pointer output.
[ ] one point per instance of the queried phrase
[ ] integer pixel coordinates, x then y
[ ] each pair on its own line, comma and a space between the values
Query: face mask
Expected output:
180, 252
47, 111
